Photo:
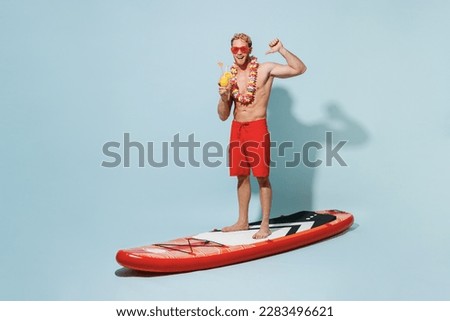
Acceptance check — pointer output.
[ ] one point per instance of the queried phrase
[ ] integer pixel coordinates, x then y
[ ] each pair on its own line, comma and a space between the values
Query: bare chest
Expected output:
244, 81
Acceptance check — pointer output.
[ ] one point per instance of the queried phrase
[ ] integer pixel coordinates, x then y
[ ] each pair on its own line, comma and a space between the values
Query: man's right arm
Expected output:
225, 102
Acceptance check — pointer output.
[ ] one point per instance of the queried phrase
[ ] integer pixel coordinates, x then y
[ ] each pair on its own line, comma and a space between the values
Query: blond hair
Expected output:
243, 37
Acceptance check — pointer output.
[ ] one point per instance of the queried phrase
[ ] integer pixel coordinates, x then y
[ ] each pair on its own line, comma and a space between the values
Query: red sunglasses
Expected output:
243, 49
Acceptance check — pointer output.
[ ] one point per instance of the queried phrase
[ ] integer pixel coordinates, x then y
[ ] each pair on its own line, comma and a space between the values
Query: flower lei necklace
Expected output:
249, 96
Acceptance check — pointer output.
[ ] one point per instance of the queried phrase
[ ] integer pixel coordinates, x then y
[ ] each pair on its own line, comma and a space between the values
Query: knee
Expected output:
263, 181
243, 179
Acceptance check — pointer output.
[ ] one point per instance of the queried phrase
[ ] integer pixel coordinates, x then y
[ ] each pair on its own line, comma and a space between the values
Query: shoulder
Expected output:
266, 67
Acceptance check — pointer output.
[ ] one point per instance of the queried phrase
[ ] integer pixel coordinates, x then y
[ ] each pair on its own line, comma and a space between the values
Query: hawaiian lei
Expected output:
249, 96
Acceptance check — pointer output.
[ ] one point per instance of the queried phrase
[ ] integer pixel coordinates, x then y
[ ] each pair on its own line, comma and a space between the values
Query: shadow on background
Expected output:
129, 273
293, 185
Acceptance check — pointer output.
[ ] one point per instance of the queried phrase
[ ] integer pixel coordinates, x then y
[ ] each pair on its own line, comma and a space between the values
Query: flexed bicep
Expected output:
293, 67
284, 71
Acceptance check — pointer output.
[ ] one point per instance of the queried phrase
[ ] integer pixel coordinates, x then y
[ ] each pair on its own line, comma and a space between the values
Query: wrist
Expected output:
283, 51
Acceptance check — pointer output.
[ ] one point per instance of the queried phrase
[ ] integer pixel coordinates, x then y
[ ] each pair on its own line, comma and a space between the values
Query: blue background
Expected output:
78, 74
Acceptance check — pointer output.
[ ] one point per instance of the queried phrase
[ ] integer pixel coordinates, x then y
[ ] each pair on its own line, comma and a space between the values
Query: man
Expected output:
249, 90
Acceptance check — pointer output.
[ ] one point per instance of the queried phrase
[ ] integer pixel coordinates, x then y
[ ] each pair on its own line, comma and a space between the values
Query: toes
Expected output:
235, 227
261, 235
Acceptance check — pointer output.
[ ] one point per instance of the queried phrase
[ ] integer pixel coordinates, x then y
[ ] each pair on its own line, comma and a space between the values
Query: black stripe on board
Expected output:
302, 216
293, 230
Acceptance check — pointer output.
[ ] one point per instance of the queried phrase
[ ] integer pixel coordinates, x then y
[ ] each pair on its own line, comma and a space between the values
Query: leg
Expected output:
265, 195
244, 193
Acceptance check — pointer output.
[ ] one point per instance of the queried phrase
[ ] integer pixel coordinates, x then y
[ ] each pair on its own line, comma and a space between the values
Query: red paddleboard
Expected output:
216, 248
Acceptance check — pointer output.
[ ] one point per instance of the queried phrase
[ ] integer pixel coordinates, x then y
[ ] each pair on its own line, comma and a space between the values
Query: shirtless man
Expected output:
249, 90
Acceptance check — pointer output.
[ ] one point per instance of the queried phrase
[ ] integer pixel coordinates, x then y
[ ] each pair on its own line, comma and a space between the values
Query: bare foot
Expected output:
262, 233
236, 227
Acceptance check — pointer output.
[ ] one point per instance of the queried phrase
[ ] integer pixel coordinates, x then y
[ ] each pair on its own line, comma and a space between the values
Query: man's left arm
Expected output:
294, 66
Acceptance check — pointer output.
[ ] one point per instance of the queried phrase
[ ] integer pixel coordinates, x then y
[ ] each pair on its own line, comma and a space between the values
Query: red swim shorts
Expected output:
249, 148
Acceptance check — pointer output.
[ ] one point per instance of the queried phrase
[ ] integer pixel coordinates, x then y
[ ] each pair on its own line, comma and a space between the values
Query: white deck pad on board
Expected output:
246, 237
